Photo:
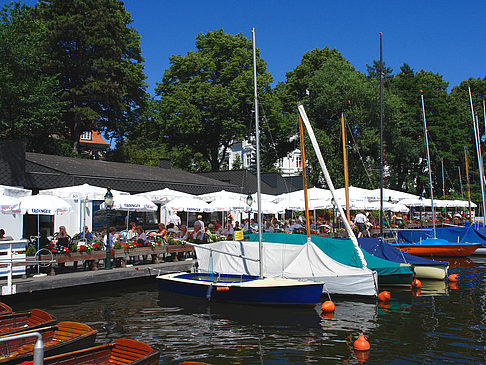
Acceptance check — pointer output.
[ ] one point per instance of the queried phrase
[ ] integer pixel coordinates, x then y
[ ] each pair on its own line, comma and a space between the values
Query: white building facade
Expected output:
241, 154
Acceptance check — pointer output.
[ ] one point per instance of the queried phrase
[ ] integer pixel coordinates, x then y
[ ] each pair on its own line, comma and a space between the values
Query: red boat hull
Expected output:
439, 250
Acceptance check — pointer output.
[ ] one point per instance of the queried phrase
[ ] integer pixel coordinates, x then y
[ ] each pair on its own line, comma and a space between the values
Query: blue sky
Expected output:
445, 37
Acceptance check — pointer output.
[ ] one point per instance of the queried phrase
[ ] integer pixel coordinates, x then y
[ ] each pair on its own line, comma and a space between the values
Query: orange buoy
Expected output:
327, 315
222, 288
453, 277
416, 283
453, 285
384, 296
362, 356
361, 344
328, 306
384, 305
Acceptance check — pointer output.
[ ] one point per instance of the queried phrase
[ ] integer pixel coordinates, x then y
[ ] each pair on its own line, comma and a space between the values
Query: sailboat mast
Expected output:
304, 177
381, 135
345, 158
428, 164
460, 181
257, 135
443, 180
478, 153
330, 185
468, 186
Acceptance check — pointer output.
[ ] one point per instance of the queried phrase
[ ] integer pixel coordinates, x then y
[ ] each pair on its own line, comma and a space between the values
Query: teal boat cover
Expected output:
340, 250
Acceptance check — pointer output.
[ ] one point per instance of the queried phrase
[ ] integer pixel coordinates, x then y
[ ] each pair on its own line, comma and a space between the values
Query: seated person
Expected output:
62, 238
228, 230
216, 226
268, 227
3, 237
140, 235
44, 241
172, 230
198, 233
182, 234
161, 232
111, 239
85, 233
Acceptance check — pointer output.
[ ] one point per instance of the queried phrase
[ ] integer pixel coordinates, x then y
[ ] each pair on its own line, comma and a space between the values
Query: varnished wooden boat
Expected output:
15, 322
436, 247
60, 338
4, 309
122, 351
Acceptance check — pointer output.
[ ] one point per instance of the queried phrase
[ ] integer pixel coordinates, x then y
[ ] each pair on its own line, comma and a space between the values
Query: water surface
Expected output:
441, 323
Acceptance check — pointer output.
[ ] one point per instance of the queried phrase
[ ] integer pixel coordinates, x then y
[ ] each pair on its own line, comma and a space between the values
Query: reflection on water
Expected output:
442, 324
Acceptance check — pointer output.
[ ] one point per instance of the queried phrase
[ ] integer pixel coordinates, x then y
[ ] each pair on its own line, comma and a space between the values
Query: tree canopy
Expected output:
67, 66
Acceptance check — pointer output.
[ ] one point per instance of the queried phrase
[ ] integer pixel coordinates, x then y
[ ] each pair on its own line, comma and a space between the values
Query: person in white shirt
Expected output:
228, 230
360, 220
175, 219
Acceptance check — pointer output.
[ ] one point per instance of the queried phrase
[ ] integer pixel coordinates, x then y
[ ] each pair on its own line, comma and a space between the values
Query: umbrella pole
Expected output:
38, 234
128, 219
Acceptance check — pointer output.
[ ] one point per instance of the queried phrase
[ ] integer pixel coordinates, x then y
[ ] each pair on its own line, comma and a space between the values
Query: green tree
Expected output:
206, 98
29, 106
98, 59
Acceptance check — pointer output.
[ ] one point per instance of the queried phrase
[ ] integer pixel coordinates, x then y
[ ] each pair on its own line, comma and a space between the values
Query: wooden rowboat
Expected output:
4, 309
59, 338
16, 322
436, 247
122, 351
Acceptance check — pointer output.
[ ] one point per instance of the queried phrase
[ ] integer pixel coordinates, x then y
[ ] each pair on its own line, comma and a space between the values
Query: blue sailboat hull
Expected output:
240, 289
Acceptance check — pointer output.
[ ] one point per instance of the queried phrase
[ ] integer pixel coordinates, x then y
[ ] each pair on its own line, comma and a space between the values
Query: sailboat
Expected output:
219, 285
288, 258
435, 246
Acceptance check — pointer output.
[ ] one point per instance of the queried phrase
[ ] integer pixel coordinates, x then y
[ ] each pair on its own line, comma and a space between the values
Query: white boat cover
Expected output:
289, 261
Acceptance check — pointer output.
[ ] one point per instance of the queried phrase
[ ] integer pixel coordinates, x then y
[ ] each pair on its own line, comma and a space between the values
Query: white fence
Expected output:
12, 262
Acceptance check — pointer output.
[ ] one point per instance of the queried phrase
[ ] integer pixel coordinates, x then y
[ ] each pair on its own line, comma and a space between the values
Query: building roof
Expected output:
49, 171
96, 138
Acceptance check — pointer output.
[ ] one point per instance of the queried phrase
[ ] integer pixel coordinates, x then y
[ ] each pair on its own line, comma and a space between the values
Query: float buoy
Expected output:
328, 306
416, 283
453, 285
384, 296
327, 315
361, 344
222, 288
453, 277
362, 356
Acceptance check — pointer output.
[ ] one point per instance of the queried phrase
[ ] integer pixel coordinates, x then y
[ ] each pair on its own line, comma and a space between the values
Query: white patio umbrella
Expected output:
395, 195
416, 202
44, 205
83, 193
224, 205
399, 208
164, 195
188, 205
312, 194
222, 194
267, 207
131, 203
9, 204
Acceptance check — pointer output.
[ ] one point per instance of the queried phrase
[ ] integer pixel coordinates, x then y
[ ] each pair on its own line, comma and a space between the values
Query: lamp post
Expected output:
249, 202
333, 202
421, 204
108, 206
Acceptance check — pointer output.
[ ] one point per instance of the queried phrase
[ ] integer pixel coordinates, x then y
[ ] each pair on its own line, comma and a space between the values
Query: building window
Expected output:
298, 162
85, 136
